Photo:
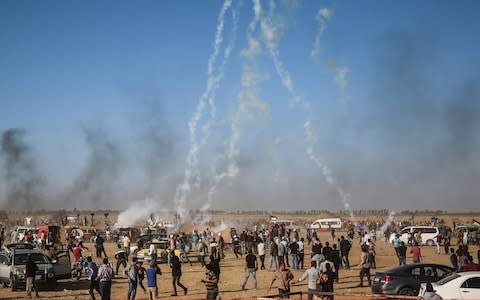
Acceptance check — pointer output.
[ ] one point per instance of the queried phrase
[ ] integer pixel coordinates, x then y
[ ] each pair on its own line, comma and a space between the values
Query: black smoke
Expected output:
97, 184
23, 182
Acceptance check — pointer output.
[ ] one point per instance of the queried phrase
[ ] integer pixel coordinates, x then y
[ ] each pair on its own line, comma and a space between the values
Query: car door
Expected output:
470, 289
4, 268
62, 265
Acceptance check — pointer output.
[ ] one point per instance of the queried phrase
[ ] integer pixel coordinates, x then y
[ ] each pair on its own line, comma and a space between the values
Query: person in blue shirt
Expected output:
92, 275
152, 272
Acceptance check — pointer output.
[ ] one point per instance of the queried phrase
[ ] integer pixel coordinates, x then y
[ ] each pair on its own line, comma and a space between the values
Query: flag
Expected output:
475, 223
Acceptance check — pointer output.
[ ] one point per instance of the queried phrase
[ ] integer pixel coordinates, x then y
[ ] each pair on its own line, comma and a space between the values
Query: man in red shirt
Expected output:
77, 252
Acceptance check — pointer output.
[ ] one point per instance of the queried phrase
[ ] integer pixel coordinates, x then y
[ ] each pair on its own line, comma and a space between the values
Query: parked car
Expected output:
12, 268
429, 234
464, 285
406, 279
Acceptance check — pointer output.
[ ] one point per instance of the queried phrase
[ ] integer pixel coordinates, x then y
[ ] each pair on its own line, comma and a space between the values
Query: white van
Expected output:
327, 224
429, 234
287, 223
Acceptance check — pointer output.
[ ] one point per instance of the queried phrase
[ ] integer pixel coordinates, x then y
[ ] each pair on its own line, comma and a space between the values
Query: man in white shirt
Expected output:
311, 275
301, 252
261, 253
152, 251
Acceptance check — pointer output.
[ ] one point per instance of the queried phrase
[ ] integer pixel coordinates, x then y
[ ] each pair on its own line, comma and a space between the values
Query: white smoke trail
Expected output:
322, 18
248, 99
271, 38
339, 73
213, 81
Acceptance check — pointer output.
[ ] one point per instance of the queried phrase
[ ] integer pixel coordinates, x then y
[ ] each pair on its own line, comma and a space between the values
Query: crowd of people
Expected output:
276, 249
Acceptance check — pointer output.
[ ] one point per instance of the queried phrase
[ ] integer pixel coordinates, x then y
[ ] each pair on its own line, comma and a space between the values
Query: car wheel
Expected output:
430, 243
407, 291
52, 284
13, 286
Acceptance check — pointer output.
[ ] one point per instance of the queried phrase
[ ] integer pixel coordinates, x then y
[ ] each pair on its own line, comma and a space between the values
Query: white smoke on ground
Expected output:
387, 223
271, 36
248, 100
137, 212
192, 174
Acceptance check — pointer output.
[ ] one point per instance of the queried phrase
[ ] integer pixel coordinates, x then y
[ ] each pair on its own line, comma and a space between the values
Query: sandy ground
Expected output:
232, 270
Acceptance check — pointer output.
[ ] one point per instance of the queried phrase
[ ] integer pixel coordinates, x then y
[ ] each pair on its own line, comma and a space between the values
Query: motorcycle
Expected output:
80, 268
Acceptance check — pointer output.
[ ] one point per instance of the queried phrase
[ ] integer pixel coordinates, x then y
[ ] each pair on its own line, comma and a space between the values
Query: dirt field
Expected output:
232, 275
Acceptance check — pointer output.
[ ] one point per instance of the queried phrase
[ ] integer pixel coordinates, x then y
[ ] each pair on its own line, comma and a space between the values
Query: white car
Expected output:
464, 285
429, 234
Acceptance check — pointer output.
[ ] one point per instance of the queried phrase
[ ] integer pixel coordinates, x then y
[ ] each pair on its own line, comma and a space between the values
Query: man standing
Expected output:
402, 253
284, 277
126, 245
311, 275
132, 274
99, 240
273, 254
294, 254
30, 272
301, 253
105, 275
261, 253
251, 269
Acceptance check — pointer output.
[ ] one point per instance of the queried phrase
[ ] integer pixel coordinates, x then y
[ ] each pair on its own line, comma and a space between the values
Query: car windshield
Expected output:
447, 279
38, 258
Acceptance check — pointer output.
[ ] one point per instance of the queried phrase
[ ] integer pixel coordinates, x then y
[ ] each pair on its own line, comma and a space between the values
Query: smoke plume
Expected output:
23, 183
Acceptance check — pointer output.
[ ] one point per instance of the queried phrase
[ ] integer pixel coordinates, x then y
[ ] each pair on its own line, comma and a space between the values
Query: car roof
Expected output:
407, 267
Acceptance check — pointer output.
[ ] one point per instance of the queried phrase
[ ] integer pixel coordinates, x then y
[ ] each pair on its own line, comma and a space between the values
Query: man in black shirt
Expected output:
345, 251
251, 269
30, 271
402, 253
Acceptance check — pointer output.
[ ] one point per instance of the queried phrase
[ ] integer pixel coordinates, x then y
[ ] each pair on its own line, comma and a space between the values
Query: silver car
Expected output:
12, 268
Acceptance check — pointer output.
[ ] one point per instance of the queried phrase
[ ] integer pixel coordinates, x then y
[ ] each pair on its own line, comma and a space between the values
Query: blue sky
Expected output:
83, 78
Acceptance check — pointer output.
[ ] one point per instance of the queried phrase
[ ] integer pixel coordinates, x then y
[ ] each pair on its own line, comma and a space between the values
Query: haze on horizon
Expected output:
98, 101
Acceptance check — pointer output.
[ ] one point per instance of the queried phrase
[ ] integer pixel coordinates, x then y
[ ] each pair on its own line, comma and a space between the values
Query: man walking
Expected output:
105, 275
261, 253
176, 274
311, 275
93, 272
284, 277
152, 272
121, 257
344, 252
251, 269
365, 270
211, 283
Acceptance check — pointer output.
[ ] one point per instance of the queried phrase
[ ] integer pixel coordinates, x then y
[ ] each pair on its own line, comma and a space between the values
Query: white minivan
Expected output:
429, 234
327, 224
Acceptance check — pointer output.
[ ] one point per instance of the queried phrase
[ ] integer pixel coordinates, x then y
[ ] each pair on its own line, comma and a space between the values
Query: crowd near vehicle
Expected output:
19, 232
327, 224
12, 267
428, 234
464, 285
407, 279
